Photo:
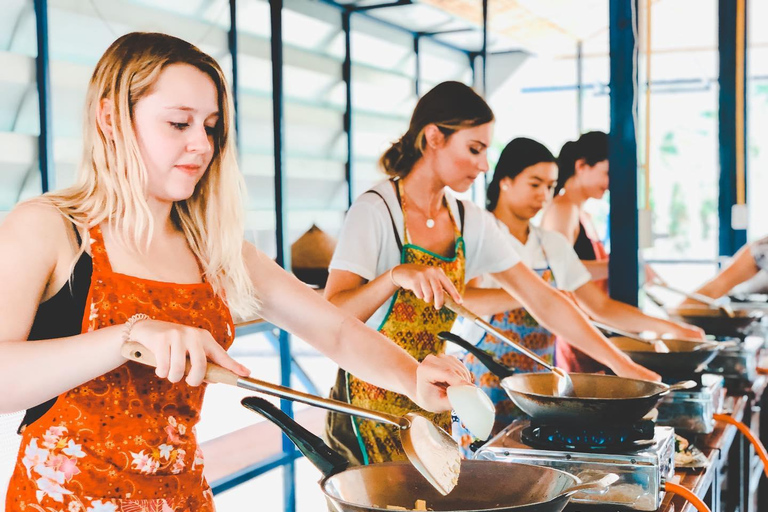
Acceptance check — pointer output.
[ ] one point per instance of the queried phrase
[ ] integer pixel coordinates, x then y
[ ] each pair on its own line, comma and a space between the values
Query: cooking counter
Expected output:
729, 483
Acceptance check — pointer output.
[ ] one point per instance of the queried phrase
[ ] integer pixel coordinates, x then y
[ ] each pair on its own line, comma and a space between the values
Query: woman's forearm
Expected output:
489, 301
363, 301
598, 269
626, 317
37, 371
555, 312
742, 268
367, 354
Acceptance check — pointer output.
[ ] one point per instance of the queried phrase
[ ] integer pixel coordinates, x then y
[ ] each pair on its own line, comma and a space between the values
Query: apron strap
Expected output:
460, 205
99, 251
391, 218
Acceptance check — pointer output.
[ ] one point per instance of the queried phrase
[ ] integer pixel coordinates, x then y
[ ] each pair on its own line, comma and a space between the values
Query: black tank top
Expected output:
61, 316
583, 245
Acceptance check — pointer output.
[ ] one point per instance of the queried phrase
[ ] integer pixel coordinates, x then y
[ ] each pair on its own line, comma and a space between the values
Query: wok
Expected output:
483, 485
597, 398
685, 357
714, 321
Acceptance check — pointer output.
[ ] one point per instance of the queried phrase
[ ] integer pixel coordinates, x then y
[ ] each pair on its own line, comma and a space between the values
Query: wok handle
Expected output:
679, 386
314, 449
484, 357
598, 486
217, 374
461, 310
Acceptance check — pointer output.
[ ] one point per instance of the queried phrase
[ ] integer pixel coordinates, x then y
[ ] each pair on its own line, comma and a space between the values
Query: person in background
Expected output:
583, 168
741, 271
148, 246
408, 241
523, 182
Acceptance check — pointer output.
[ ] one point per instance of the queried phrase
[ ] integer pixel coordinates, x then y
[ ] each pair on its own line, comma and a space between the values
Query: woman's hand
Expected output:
631, 370
428, 283
172, 344
433, 376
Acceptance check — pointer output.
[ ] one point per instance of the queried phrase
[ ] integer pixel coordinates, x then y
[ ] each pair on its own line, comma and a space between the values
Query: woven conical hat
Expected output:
313, 249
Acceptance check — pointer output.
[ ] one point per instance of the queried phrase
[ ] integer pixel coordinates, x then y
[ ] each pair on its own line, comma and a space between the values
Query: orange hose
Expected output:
759, 448
687, 495
762, 370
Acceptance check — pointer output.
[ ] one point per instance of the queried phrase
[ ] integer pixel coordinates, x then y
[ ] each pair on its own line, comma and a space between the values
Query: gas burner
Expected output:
596, 438
641, 472
692, 410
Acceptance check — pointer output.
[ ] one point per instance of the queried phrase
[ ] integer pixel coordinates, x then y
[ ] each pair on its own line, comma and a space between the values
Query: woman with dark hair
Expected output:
523, 181
583, 167
407, 242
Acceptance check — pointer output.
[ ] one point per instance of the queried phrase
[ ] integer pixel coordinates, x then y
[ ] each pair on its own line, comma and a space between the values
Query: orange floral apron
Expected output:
413, 325
124, 441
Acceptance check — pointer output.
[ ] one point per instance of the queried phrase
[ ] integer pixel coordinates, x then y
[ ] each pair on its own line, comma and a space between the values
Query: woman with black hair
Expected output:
408, 241
583, 168
523, 181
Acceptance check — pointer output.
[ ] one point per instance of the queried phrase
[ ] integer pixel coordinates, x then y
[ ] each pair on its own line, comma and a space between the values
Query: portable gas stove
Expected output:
692, 410
738, 364
641, 454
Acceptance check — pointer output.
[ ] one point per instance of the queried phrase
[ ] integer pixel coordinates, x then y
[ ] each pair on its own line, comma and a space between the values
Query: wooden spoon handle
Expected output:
213, 372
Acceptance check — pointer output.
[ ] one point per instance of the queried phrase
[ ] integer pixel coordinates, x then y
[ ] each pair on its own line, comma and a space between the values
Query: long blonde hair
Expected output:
112, 177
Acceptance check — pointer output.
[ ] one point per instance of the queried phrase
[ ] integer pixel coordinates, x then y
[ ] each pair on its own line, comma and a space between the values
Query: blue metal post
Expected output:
623, 265
579, 89
45, 140
730, 240
346, 74
417, 70
283, 249
484, 53
232, 39
289, 470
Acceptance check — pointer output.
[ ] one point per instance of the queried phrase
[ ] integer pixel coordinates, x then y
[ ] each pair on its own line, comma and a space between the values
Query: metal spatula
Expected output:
709, 301
563, 385
430, 449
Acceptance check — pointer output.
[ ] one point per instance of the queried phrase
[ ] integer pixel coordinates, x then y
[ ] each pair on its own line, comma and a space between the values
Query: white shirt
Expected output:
367, 245
558, 255
759, 252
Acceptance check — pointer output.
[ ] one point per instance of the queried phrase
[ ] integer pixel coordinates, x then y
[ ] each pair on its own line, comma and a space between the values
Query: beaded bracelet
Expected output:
138, 317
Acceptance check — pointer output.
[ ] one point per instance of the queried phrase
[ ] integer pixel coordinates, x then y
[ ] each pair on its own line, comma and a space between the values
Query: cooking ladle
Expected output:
657, 343
698, 297
563, 385
430, 449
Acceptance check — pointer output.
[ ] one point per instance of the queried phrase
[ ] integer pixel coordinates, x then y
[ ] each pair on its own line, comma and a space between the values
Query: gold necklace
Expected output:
430, 218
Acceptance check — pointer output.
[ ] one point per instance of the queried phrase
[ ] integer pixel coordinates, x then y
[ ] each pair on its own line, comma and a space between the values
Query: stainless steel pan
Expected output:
484, 486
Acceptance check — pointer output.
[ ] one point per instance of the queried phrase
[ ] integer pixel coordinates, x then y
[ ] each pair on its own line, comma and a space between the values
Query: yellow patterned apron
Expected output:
413, 324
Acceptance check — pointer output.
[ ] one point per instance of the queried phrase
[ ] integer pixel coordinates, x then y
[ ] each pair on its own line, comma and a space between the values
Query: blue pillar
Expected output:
484, 53
283, 249
417, 70
579, 88
346, 74
730, 240
45, 140
232, 39
622, 154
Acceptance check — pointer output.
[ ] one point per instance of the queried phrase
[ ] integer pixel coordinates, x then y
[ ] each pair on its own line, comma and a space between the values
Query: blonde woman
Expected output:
148, 246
